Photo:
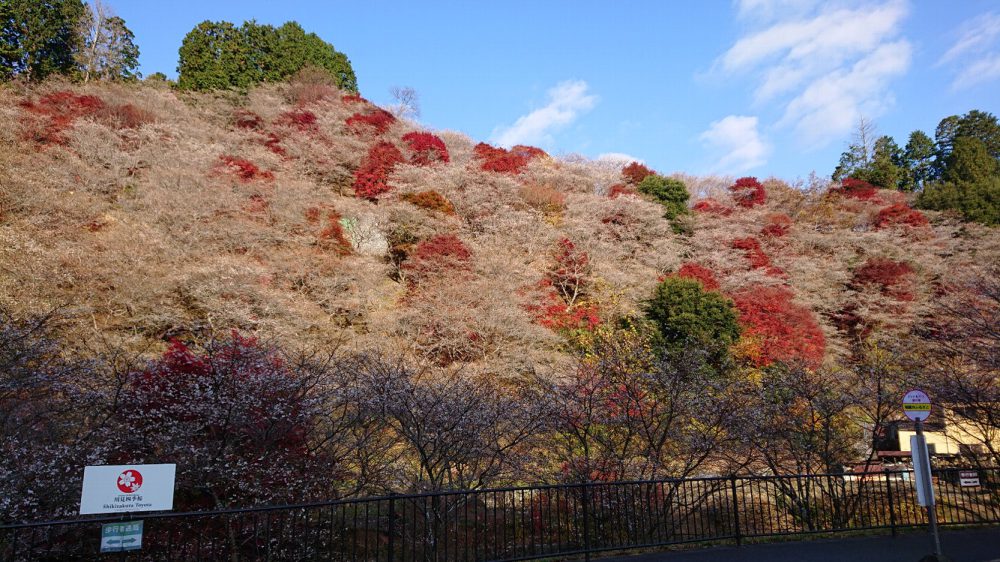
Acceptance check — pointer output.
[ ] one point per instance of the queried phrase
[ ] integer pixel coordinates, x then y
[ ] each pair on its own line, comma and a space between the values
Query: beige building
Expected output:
952, 437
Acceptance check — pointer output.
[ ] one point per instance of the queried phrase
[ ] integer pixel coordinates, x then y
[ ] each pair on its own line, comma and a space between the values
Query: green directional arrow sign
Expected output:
120, 537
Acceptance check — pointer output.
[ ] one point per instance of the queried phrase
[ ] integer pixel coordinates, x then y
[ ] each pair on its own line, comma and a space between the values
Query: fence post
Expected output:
736, 511
892, 506
586, 522
392, 527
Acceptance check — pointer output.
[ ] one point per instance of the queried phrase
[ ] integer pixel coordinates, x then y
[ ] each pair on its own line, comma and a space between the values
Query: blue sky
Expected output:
745, 87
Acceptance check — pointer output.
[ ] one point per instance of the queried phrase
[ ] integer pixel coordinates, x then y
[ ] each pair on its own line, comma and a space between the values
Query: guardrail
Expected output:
522, 523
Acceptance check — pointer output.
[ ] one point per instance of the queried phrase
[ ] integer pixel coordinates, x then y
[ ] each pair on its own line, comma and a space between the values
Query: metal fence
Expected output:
524, 523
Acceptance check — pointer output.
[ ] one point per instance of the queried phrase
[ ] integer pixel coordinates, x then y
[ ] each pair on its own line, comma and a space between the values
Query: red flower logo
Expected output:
130, 481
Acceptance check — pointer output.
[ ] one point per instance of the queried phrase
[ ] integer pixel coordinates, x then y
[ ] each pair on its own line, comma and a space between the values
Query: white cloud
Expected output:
619, 157
567, 101
737, 139
810, 59
975, 55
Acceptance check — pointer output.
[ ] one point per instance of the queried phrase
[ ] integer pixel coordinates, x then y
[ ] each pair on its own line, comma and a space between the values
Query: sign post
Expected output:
126, 489
121, 537
917, 407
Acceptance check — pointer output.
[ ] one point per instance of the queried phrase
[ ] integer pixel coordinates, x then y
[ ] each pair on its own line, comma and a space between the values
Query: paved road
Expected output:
977, 545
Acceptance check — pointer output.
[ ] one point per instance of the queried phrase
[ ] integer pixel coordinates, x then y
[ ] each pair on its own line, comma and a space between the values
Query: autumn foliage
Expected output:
778, 225
426, 148
564, 289
712, 207
52, 115
372, 178
891, 278
618, 190
635, 172
495, 159
333, 235
756, 256
699, 273
443, 254
377, 121
779, 329
856, 189
301, 119
899, 214
430, 200
748, 192
245, 170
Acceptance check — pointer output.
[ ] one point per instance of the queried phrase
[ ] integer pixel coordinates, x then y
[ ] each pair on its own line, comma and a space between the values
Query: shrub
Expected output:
426, 148
236, 418
125, 116
244, 169
783, 331
528, 152
635, 172
57, 112
333, 235
301, 119
712, 207
669, 192
699, 273
899, 214
856, 189
543, 198
618, 190
493, 159
570, 272
683, 311
273, 143
752, 251
748, 192
777, 226
246, 119
372, 178
353, 98
892, 278
431, 200
378, 120
555, 314
443, 254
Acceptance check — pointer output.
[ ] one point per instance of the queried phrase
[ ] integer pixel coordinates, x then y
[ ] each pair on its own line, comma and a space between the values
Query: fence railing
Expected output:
527, 522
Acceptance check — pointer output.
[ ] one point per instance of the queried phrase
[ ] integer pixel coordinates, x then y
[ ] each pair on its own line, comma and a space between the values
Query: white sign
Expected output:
121, 537
127, 488
916, 405
968, 478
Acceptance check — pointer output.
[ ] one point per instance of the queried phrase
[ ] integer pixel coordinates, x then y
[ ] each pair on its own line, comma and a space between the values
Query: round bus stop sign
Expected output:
916, 405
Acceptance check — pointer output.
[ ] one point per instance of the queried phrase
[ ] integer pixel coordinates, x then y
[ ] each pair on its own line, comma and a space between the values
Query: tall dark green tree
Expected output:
219, 55
970, 183
918, 161
38, 37
884, 170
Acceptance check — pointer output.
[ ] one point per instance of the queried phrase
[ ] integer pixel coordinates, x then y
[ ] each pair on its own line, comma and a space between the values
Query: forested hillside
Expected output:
486, 315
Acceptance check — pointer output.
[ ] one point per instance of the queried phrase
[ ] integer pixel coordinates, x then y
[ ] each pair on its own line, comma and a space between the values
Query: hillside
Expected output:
150, 215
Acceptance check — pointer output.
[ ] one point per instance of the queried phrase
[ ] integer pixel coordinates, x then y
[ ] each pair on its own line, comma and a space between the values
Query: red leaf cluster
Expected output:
635, 172
301, 119
125, 116
372, 178
699, 273
440, 255
57, 112
785, 331
748, 192
712, 207
494, 159
777, 226
333, 235
557, 315
892, 278
377, 120
528, 152
426, 148
618, 190
431, 200
857, 189
273, 143
756, 256
353, 98
244, 169
246, 119
899, 214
